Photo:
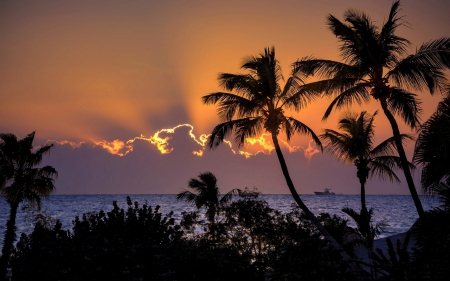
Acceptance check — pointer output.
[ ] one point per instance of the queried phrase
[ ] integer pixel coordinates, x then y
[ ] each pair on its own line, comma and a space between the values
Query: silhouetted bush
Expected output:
248, 240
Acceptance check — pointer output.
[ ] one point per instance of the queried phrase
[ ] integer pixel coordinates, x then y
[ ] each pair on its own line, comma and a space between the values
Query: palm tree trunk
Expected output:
403, 159
9, 240
363, 196
357, 271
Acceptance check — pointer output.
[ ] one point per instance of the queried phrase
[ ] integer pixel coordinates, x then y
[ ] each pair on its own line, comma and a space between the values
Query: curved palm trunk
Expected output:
357, 271
403, 159
8, 241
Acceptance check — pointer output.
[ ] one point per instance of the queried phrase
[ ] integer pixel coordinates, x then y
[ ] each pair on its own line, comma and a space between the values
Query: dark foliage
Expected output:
21, 180
397, 265
247, 241
432, 149
432, 236
114, 246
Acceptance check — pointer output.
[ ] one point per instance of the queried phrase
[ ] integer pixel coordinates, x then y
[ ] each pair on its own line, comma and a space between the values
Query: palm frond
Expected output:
357, 94
231, 105
362, 49
242, 84
304, 95
220, 132
393, 46
198, 185
36, 157
298, 127
229, 195
187, 196
388, 146
432, 148
349, 40
381, 167
405, 104
267, 72
207, 179
416, 74
435, 53
247, 128
337, 144
308, 66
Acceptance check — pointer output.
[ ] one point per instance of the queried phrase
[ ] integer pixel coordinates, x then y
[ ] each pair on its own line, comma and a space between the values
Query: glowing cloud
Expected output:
162, 143
66, 142
198, 153
310, 150
115, 147
246, 154
230, 145
253, 146
266, 145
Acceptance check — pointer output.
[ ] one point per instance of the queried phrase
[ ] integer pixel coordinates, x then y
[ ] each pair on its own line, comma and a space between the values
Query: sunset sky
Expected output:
108, 82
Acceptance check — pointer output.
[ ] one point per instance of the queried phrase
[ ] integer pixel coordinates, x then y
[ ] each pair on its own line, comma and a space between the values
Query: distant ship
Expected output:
326, 192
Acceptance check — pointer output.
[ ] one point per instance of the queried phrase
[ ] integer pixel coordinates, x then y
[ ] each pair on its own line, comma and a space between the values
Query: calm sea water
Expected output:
398, 210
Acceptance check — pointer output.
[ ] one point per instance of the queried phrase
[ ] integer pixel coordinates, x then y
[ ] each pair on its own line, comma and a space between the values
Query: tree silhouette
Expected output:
376, 66
256, 106
432, 149
21, 180
207, 194
355, 144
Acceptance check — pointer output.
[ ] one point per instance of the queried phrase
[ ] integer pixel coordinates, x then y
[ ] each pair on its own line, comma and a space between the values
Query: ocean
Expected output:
398, 210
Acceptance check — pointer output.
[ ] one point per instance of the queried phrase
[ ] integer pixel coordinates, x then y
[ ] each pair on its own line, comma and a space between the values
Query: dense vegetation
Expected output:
247, 241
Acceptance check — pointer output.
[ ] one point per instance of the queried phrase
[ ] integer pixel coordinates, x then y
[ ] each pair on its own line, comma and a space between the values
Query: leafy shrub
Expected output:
248, 240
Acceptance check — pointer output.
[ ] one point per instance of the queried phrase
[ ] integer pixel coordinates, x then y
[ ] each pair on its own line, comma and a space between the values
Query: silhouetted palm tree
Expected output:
355, 144
21, 180
376, 65
207, 194
256, 106
432, 149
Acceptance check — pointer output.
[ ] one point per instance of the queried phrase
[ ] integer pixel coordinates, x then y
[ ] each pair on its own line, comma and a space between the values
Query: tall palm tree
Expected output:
21, 180
256, 106
355, 144
432, 149
376, 66
207, 194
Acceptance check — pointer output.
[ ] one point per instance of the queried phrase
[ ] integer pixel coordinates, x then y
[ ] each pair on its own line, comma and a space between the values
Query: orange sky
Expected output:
113, 70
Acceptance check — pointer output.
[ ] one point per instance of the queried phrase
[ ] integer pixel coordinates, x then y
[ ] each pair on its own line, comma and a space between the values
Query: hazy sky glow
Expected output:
109, 82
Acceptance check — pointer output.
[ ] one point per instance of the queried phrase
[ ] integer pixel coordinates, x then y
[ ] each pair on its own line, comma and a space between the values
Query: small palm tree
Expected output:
376, 66
432, 149
207, 194
21, 180
355, 144
258, 105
